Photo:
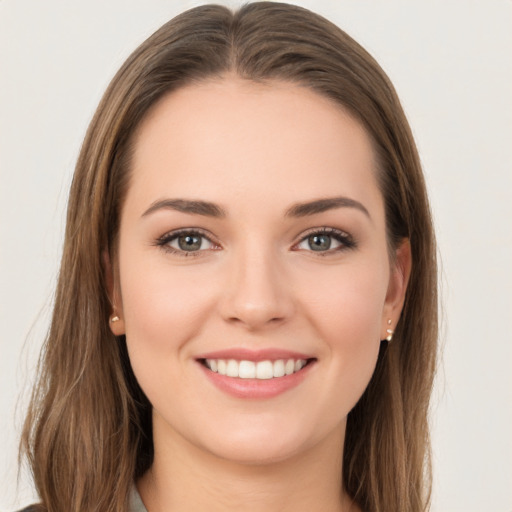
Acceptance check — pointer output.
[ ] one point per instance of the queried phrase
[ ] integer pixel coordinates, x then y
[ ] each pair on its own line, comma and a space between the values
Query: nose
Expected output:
257, 294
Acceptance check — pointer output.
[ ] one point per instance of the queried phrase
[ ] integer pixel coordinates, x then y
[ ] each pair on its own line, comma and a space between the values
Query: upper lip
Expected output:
244, 354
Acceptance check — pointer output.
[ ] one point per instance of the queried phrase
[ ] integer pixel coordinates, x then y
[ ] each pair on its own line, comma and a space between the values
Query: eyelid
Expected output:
164, 240
346, 240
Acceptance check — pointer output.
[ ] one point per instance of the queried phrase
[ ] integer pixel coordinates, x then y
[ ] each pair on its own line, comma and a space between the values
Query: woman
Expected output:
245, 316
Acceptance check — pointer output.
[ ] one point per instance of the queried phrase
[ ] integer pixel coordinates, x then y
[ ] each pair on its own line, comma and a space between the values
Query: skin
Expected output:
255, 150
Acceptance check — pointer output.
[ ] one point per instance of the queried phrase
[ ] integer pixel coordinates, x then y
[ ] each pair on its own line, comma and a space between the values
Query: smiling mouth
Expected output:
261, 370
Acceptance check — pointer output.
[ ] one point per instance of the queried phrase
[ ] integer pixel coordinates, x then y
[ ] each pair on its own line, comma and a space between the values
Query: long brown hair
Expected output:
88, 430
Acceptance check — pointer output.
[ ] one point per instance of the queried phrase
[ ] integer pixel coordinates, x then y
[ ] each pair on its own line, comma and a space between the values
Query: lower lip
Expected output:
257, 388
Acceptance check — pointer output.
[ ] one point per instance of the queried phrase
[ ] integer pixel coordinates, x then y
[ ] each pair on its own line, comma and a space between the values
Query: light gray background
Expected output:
451, 62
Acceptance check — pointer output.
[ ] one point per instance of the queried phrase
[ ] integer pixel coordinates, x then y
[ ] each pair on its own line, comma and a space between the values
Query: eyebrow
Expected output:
323, 205
208, 209
194, 207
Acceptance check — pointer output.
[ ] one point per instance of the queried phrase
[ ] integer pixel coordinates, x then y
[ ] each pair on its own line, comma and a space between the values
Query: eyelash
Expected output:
345, 239
164, 241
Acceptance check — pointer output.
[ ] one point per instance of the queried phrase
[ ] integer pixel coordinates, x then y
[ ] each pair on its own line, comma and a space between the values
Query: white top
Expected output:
136, 504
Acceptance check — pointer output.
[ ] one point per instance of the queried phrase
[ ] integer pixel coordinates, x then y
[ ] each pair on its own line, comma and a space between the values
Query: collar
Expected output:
136, 504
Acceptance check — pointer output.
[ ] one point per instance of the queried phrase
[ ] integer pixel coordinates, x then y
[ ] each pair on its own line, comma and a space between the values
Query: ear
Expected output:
116, 319
397, 287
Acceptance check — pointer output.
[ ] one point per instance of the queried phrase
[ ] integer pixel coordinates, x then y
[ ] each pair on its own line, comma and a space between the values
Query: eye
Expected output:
326, 240
186, 242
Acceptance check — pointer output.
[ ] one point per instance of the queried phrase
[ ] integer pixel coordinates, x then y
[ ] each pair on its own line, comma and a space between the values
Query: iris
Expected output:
319, 242
190, 242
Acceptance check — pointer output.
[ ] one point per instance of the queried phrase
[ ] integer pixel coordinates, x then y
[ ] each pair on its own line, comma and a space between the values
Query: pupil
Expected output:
189, 242
319, 242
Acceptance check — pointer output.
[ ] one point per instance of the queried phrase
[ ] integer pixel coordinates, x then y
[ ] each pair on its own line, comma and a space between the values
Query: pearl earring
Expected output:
114, 318
390, 332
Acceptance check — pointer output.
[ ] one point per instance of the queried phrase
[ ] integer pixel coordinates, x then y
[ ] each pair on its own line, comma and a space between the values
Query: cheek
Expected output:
163, 305
347, 318
348, 308
164, 309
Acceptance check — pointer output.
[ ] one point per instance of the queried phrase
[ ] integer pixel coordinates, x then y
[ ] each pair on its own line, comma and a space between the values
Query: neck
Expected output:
184, 477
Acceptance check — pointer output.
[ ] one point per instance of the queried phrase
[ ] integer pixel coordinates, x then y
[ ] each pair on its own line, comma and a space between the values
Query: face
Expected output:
253, 279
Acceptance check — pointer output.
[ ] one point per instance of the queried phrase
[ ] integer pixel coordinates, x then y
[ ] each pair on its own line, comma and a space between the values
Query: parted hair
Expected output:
88, 431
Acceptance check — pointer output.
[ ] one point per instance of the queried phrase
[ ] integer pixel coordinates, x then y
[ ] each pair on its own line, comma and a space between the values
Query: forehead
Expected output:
229, 138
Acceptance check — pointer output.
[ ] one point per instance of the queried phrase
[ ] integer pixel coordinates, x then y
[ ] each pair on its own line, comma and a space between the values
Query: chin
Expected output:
265, 440
257, 452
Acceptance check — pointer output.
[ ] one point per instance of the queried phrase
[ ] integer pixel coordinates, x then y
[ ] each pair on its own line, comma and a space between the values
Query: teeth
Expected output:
247, 370
262, 370
278, 368
221, 366
232, 368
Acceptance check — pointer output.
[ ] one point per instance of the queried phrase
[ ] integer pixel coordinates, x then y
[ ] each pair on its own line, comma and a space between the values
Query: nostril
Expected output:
255, 317
255, 296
